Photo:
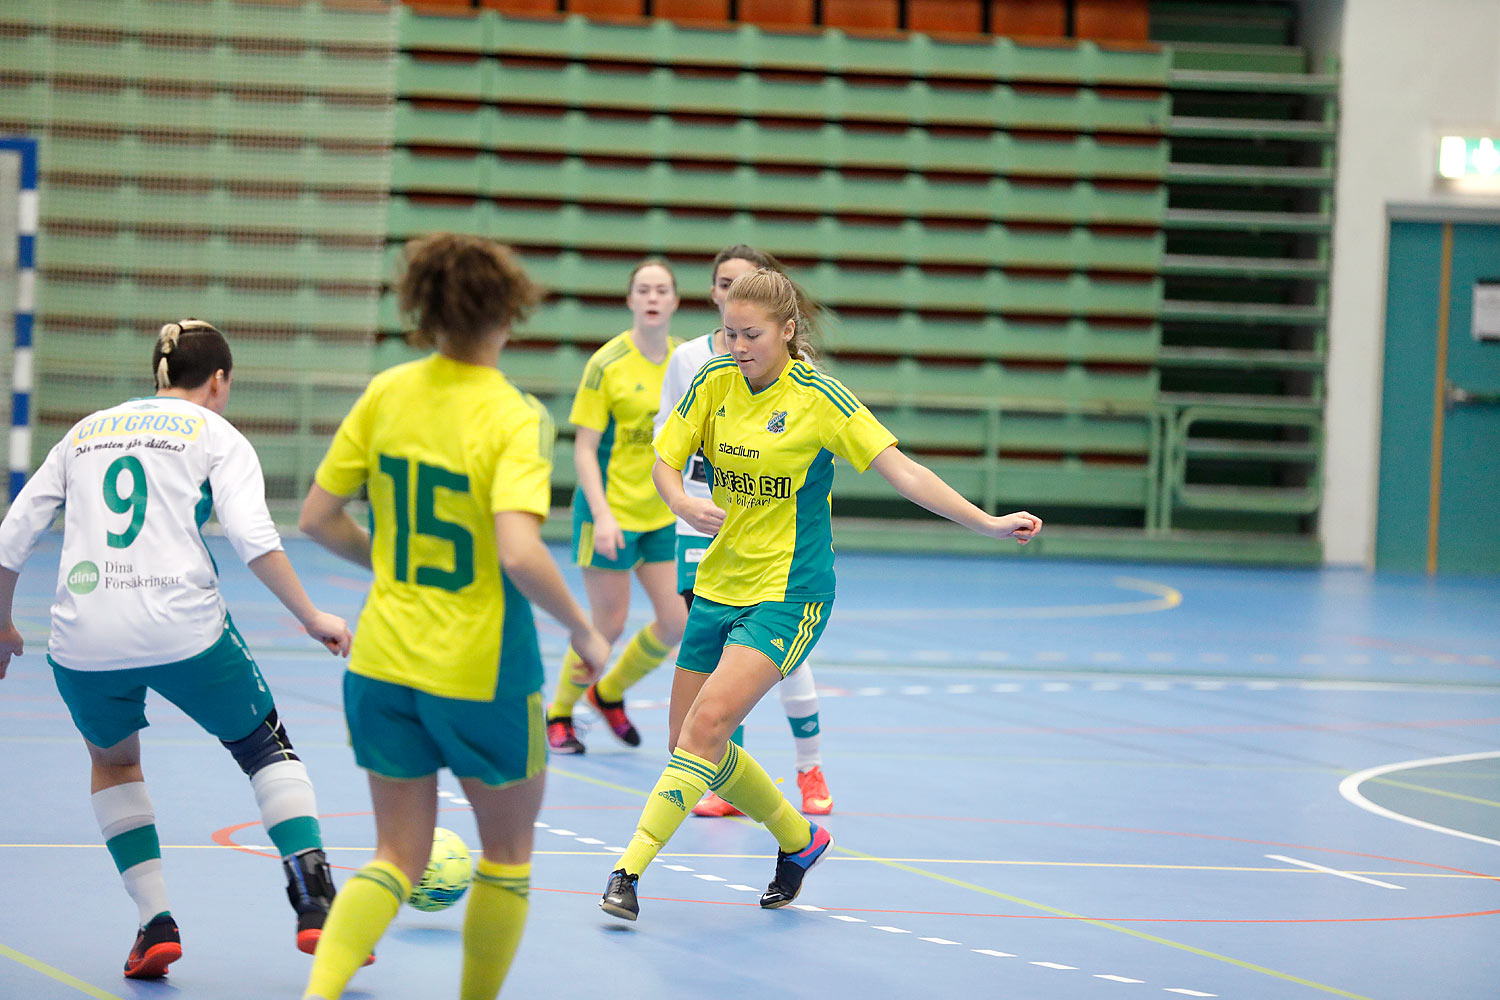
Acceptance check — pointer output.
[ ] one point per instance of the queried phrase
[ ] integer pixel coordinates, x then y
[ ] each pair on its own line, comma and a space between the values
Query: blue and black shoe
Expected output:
619, 895
791, 869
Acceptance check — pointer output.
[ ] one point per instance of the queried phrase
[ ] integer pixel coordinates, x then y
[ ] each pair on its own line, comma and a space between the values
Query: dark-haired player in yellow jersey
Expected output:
445, 669
770, 425
619, 521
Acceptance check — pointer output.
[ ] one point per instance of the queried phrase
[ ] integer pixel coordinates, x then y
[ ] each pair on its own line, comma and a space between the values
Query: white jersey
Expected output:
682, 368
136, 585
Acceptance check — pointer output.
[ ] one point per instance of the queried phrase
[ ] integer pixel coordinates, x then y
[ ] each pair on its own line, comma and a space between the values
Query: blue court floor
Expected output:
1053, 780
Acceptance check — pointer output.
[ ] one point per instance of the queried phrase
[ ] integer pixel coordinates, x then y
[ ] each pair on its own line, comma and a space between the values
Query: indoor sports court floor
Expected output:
1053, 780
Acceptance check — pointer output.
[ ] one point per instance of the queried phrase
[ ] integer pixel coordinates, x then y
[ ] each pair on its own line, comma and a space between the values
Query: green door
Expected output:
1439, 506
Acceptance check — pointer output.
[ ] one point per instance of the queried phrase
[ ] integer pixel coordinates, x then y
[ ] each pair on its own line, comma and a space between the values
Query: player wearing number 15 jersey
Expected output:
445, 670
138, 606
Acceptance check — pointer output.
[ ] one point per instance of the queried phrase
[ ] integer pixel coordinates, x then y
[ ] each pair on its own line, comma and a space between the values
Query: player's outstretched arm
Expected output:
528, 564
10, 636
325, 520
926, 488
274, 570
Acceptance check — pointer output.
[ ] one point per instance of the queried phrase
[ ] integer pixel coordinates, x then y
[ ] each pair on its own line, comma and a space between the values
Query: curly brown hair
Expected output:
461, 287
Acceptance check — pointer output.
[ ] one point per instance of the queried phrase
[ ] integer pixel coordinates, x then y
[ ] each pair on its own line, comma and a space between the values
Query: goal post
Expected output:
19, 212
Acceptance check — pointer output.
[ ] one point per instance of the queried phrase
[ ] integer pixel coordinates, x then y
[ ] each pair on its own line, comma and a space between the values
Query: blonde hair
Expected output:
785, 301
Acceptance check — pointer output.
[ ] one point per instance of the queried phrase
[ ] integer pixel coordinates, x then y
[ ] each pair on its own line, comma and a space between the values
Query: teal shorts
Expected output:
784, 632
221, 689
690, 550
400, 732
640, 546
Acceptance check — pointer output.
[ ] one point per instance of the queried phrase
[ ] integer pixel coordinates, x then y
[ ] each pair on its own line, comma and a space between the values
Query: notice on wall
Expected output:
1486, 321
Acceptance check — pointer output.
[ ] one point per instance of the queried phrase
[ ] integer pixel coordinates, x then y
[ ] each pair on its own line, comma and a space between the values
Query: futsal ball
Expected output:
448, 873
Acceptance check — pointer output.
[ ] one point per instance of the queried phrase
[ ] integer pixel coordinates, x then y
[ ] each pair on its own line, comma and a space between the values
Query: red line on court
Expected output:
1052, 916
225, 838
1175, 833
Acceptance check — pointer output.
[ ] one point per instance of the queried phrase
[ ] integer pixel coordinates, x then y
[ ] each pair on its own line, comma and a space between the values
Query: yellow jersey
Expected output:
770, 456
619, 396
442, 447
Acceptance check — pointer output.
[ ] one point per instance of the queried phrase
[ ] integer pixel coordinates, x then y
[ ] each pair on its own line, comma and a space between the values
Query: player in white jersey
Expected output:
138, 606
799, 693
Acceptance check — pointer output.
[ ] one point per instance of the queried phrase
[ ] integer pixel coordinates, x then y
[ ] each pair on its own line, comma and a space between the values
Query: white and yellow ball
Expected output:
449, 872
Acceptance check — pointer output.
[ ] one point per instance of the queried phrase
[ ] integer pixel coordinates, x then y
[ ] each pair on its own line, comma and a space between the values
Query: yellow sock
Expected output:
744, 784
568, 692
492, 926
642, 655
361, 912
679, 788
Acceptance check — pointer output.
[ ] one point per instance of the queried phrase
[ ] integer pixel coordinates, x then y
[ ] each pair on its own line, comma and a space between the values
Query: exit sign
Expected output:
1463, 158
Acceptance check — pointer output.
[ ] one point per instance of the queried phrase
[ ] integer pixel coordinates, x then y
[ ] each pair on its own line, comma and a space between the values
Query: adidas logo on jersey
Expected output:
779, 644
673, 796
639, 387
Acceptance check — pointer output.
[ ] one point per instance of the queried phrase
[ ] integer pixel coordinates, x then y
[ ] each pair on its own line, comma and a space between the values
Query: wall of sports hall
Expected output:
1121, 262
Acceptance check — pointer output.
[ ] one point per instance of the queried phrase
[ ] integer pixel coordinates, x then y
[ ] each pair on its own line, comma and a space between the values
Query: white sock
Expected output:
283, 791
799, 699
122, 809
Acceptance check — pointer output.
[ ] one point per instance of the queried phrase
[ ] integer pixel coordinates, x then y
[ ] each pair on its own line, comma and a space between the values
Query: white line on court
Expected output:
1333, 871
1349, 789
940, 941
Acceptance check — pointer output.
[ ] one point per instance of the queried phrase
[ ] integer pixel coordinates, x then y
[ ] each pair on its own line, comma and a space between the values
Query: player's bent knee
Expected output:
267, 744
708, 729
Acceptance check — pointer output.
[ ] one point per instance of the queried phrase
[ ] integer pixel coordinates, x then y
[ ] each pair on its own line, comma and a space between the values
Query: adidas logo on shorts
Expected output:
673, 796
779, 644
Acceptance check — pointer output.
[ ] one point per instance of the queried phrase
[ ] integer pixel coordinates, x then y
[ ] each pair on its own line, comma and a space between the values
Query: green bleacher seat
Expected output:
221, 160
217, 208
662, 137
902, 194
748, 94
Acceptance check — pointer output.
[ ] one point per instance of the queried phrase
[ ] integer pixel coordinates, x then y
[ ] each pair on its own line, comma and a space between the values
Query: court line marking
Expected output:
1440, 792
1349, 789
1333, 871
1164, 598
37, 965
959, 883
609, 851
1107, 925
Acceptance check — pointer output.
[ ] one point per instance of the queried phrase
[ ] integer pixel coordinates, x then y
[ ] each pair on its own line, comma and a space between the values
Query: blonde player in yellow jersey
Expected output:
619, 521
770, 425
445, 670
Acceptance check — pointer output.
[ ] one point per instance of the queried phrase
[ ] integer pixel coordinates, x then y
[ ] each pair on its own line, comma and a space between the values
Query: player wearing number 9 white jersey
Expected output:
137, 586
138, 606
